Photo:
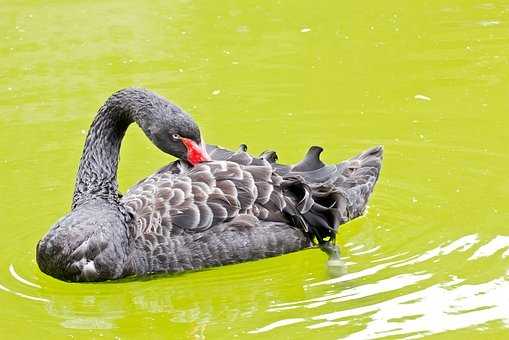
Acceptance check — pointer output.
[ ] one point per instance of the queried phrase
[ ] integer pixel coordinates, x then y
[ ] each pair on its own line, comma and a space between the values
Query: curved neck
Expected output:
97, 172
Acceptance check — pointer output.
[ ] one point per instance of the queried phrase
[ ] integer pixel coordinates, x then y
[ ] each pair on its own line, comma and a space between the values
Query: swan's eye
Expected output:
176, 136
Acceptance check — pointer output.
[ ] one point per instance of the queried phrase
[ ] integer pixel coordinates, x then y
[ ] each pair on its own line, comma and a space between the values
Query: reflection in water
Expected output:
277, 324
359, 292
401, 304
194, 299
356, 275
450, 305
461, 244
88, 323
432, 310
498, 243
337, 267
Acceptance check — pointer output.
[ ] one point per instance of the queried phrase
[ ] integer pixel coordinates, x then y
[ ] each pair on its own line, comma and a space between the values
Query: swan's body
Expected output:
231, 209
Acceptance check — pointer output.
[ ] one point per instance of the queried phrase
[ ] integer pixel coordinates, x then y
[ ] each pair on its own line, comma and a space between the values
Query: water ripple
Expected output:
25, 296
382, 286
432, 310
498, 243
20, 279
418, 307
461, 244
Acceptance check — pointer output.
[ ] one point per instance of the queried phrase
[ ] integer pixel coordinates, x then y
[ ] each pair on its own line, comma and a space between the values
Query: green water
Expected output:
427, 79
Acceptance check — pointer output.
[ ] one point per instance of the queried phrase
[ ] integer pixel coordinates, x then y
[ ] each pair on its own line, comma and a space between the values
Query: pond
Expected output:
428, 80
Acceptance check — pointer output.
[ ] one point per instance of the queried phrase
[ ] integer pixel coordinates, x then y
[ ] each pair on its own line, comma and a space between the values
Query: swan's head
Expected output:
173, 131
170, 128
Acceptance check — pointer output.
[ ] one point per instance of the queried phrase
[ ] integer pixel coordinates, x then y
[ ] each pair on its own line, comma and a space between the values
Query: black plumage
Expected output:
231, 209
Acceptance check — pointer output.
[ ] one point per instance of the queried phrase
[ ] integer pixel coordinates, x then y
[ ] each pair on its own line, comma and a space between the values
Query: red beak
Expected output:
195, 153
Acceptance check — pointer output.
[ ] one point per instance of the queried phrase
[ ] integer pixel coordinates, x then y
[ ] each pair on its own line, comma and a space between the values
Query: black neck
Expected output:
97, 173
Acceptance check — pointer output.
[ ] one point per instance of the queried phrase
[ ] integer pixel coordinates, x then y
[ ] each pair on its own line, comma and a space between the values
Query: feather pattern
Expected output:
238, 207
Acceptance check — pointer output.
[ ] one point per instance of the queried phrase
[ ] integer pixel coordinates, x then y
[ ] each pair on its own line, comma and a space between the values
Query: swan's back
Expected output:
204, 196
239, 208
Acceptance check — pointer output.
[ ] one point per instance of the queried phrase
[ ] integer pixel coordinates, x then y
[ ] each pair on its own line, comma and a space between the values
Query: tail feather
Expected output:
360, 175
332, 194
320, 197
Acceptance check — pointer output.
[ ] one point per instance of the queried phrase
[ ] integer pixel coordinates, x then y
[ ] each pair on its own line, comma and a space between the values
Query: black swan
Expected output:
211, 207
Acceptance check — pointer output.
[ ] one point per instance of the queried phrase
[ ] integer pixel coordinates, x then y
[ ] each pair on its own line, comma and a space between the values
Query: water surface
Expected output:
428, 80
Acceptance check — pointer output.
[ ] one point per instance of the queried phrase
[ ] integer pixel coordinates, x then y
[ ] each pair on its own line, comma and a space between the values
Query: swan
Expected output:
210, 207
